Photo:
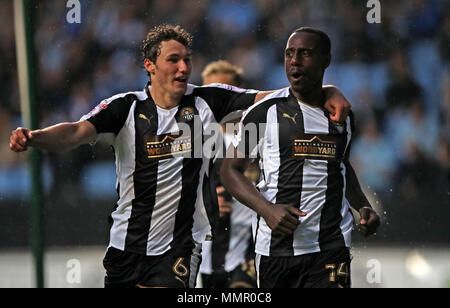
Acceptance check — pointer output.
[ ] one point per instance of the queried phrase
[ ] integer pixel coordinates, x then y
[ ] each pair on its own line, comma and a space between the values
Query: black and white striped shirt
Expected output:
159, 181
302, 156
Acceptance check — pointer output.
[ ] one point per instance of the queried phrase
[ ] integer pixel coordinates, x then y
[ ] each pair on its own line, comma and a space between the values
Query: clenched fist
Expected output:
283, 219
20, 139
369, 222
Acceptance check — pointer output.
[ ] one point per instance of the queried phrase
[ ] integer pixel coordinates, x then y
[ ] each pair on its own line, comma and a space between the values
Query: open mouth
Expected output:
297, 75
181, 79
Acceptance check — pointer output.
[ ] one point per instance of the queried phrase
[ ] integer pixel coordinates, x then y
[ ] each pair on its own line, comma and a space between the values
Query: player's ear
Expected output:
327, 61
149, 66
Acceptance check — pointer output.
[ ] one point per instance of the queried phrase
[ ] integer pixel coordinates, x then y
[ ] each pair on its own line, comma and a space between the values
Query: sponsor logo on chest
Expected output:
169, 146
319, 147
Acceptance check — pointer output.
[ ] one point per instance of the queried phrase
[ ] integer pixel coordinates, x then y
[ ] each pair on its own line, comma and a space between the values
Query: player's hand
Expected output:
20, 139
336, 104
224, 205
369, 222
283, 219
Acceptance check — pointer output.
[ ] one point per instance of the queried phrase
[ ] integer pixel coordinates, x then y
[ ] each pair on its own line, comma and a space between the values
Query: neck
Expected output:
314, 97
163, 98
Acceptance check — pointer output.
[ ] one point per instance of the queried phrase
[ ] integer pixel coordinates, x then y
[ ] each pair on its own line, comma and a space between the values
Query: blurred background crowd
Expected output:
396, 74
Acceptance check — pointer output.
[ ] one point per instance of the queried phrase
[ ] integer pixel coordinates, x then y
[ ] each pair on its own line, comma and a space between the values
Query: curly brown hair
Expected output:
151, 46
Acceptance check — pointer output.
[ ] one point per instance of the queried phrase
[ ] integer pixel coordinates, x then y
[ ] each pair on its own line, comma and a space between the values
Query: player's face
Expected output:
172, 69
304, 62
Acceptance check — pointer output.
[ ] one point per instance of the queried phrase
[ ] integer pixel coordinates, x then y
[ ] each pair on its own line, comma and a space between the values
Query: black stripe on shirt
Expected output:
144, 178
184, 219
255, 119
210, 182
330, 233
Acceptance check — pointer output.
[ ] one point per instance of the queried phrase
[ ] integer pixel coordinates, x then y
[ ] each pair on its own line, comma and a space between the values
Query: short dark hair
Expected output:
151, 46
325, 42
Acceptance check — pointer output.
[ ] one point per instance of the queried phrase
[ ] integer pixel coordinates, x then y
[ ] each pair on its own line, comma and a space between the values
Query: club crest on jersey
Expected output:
187, 113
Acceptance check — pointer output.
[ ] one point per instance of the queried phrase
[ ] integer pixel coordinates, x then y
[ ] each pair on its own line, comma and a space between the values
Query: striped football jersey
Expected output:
159, 180
302, 155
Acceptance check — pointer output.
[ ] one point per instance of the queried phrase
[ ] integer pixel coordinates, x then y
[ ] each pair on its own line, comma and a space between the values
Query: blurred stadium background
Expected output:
396, 75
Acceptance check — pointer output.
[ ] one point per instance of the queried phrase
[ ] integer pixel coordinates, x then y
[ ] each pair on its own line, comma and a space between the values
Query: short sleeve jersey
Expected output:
159, 177
302, 154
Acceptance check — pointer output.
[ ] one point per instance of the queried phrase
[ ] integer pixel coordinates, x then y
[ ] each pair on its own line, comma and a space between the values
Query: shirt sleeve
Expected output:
225, 99
111, 114
351, 131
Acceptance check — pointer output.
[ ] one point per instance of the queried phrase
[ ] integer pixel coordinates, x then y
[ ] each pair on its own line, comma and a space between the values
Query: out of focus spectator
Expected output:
412, 134
404, 89
444, 38
374, 159
356, 45
424, 19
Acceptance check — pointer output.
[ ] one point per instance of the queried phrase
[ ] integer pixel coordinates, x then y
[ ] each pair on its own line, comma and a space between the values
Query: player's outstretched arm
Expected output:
335, 102
281, 218
261, 95
370, 221
58, 138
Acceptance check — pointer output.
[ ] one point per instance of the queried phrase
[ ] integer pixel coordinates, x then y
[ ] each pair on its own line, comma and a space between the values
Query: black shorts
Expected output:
327, 269
216, 280
170, 270
244, 276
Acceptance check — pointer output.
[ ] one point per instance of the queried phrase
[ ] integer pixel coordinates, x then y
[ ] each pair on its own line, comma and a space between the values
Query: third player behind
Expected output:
228, 258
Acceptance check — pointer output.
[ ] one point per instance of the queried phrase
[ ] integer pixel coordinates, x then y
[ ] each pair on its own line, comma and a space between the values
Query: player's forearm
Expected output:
261, 95
354, 193
336, 104
59, 138
242, 189
331, 91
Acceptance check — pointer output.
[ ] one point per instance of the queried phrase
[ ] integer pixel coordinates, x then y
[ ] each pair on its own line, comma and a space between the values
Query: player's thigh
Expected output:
167, 271
217, 280
330, 269
244, 276
273, 272
122, 268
